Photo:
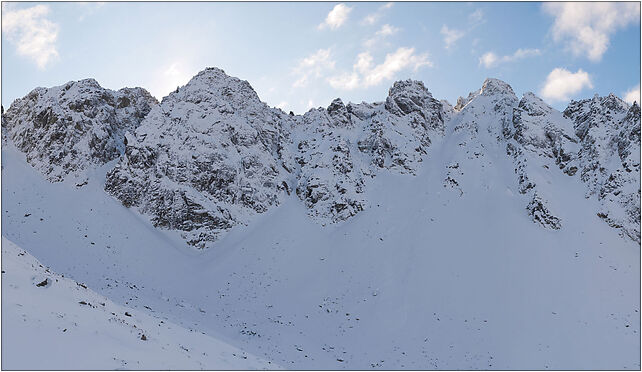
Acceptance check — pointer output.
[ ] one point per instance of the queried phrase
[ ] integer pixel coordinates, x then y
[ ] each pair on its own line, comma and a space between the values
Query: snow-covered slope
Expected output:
53, 322
65, 129
404, 234
424, 278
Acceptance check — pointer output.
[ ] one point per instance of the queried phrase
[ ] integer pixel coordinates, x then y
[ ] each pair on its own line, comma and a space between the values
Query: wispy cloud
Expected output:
402, 59
373, 18
88, 9
451, 35
32, 33
385, 31
491, 59
561, 84
633, 95
366, 74
586, 28
337, 17
345, 81
313, 65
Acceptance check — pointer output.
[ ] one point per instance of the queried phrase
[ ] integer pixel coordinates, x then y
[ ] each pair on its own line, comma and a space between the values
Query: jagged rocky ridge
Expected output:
65, 129
609, 158
211, 155
340, 148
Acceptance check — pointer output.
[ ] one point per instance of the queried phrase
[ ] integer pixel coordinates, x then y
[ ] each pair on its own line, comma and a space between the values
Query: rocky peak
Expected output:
214, 85
338, 113
487, 112
206, 159
408, 96
492, 87
462, 102
534, 105
598, 111
542, 130
65, 129
336, 106
613, 102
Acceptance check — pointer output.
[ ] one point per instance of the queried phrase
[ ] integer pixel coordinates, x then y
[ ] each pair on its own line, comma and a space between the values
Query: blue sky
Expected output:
302, 55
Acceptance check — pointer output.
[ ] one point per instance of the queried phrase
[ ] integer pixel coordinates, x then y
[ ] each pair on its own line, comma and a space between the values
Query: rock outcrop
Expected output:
65, 129
608, 159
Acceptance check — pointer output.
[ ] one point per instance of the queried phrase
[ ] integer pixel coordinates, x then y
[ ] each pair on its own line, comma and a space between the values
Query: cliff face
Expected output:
608, 130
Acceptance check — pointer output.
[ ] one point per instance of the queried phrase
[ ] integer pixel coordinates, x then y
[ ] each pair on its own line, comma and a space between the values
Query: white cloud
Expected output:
491, 59
561, 84
387, 30
345, 81
364, 62
282, 105
451, 35
372, 18
633, 95
382, 33
401, 59
587, 27
313, 65
32, 33
366, 74
337, 17
523, 53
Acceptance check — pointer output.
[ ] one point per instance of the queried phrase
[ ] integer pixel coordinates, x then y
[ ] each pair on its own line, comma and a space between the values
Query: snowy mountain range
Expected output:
498, 233
211, 155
